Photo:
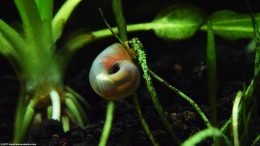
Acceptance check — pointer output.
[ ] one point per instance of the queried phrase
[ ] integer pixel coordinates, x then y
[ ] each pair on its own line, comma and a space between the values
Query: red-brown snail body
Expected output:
113, 75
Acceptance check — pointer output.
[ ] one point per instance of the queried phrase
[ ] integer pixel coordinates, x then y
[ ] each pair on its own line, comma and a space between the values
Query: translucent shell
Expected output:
113, 75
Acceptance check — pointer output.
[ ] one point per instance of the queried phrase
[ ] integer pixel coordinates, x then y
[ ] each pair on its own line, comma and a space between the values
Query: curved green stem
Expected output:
74, 110
226, 125
256, 140
203, 134
235, 115
27, 119
184, 96
75, 98
83, 39
137, 46
62, 16
143, 121
108, 124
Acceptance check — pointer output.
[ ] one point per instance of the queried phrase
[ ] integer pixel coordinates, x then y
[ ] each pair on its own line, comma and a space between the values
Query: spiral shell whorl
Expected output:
113, 75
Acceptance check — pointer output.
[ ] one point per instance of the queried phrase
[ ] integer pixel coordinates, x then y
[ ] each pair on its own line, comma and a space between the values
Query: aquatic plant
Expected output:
39, 65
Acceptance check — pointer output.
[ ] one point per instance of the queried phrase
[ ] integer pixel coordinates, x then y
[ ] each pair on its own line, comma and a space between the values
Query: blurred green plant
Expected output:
39, 65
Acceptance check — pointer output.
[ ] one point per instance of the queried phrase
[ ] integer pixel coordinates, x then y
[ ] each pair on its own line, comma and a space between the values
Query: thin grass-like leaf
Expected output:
74, 111
184, 96
62, 16
108, 124
256, 141
45, 8
80, 40
6, 48
226, 125
235, 118
13, 38
212, 74
78, 97
143, 121
19, 116
81, 111
203, 134
65, 123
31, 22
27, 119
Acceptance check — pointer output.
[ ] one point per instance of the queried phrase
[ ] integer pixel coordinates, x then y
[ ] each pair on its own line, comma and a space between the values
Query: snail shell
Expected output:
113, 75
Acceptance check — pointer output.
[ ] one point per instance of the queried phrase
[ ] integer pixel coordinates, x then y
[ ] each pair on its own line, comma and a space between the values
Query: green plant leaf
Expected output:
232, 25
45, 8
31, 22
236, 117
6, 48
203, 134
62, 16
11, 41
178, 22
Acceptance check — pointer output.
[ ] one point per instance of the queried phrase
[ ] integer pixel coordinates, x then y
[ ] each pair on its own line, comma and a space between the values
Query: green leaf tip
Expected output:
178, 22
62, 16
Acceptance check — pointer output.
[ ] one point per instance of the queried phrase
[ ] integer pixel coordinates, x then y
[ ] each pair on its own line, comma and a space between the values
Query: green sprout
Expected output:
39, 66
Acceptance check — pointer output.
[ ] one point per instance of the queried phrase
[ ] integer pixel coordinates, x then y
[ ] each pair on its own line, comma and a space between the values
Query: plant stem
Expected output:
203, 134
27, 119
108, 124
65, 123
143, 121
212, 74
62, 16
99, 34
235, 117
120, 20
55, 100
73, 108
75, 98
226, 125
256, 140
86, 38
184, 96
137, 46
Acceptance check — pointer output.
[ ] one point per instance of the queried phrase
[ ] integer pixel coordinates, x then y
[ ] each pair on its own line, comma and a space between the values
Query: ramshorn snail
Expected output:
113, 75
